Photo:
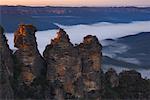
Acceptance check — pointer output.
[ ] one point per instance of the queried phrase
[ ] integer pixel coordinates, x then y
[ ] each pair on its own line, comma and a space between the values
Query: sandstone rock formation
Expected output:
6, 68
76, 68
90, 52
31, 69
63, 64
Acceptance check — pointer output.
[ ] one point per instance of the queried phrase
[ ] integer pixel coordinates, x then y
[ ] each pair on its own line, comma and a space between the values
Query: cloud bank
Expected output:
102, 30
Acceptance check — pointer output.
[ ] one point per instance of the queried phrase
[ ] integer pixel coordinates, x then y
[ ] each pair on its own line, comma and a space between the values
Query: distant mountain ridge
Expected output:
44, 17
138, 49
65, 10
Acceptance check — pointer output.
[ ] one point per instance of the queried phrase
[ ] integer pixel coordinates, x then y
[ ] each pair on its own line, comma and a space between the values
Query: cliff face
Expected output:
30, 64
6, 68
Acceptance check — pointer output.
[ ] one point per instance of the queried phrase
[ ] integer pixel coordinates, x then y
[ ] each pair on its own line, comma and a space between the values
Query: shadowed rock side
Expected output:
6, 68
126, 85
63, 67
90, 53
30, 69
111, 84
112, 78
133, 86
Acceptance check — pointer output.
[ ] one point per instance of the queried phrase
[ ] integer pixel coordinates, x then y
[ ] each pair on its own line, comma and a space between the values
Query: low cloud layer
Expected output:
102, 30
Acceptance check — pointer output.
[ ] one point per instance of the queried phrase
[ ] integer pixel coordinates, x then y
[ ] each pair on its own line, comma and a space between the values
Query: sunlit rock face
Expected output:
63, 64
6, 68
30, 65
90, 53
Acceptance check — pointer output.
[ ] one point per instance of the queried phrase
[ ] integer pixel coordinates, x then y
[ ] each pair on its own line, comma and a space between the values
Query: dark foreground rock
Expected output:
133, 86
126, 85
6, 68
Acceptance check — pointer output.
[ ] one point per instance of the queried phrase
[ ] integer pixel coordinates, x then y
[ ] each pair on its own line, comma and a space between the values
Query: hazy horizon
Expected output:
78, 3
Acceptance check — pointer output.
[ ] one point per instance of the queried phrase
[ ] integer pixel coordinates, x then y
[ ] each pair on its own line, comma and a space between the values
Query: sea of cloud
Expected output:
102, 30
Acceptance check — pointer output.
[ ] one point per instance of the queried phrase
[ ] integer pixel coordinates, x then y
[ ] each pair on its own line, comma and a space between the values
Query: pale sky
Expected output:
77, 2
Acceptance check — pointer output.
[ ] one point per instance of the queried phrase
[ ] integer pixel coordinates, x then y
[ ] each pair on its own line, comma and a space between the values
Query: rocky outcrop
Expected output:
111, 82
76, 68
63, 65
90, 52
6, 68
126, 85
30, 66
133, 86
